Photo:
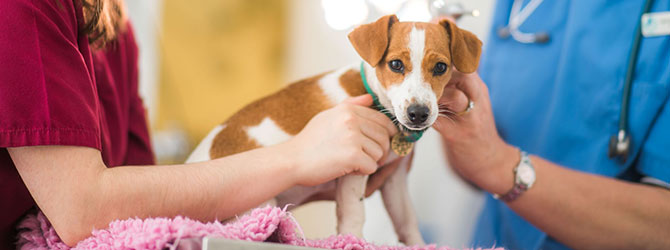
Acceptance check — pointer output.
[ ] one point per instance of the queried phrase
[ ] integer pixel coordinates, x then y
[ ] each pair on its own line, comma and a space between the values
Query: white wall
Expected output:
146, 19
445, 205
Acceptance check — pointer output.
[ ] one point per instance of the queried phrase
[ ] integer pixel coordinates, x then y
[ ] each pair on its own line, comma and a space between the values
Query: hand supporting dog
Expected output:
350, 135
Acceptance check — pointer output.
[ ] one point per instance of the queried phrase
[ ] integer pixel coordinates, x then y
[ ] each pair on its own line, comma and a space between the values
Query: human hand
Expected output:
348, 138
472, 144
375, 182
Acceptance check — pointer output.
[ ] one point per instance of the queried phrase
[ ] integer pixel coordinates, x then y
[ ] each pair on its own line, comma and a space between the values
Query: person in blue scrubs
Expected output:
560, 102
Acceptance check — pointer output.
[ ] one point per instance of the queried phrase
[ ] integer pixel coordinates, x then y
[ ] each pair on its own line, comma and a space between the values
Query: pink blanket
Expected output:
262, 224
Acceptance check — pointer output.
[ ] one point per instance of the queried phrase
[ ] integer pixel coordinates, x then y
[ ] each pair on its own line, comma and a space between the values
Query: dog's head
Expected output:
412, 63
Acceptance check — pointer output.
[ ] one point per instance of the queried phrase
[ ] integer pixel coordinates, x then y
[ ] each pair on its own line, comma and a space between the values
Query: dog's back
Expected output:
278, 117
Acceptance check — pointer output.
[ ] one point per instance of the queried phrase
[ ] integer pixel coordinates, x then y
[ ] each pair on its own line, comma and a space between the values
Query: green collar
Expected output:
409, 135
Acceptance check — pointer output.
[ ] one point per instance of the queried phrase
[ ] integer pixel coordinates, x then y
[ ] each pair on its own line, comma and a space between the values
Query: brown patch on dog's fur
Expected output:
352, 83
397, 50
371, 40
465, 47
436, 51
231, 140
290, 108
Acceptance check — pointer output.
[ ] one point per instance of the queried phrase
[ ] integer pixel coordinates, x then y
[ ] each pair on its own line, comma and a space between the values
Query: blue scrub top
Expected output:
561, 100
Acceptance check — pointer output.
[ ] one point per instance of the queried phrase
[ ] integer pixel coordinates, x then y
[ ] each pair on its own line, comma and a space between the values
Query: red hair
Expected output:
103, 20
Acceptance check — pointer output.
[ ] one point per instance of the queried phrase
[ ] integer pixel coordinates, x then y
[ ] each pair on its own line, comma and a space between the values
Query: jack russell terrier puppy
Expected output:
406, 67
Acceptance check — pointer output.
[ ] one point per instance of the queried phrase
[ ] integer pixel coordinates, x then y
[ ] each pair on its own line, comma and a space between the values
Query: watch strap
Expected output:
514, 193
519, 188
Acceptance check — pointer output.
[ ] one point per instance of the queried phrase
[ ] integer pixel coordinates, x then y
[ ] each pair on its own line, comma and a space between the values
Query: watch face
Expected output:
526, 174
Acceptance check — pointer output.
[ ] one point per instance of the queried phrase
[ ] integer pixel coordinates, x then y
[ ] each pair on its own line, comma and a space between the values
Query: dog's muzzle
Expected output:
417, 115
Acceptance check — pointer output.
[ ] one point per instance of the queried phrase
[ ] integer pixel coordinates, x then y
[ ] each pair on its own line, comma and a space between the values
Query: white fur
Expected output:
399, 205
350, 208
267, 133
377, 88
413, 86
201, 152
330, 85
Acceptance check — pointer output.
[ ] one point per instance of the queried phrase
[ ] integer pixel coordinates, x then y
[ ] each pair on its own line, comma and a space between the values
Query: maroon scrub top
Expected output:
55, 89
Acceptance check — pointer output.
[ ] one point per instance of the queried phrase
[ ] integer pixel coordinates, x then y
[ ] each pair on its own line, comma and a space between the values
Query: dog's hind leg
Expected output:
349, 195
399, 206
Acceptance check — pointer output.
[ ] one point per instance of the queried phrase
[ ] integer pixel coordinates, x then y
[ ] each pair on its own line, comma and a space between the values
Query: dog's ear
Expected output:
372, 40
465, 47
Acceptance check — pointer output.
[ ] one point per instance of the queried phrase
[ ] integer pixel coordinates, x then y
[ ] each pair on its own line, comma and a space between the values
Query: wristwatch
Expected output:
524, 177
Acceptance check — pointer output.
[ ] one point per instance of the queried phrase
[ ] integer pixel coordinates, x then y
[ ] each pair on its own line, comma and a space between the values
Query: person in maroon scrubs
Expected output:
71, 116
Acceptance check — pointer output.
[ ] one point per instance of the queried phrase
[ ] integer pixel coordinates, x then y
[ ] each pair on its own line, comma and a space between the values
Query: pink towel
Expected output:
262, 224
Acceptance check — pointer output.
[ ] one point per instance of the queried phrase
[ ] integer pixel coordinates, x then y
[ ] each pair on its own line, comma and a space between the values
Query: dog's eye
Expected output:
397, 66
439, 69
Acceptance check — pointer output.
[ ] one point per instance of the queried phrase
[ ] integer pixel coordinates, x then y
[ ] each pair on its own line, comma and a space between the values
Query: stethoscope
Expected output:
517, 17
620, 143
619, 146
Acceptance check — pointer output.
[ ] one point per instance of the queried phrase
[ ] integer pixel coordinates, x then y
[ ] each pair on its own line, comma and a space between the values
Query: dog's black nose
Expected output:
417, 113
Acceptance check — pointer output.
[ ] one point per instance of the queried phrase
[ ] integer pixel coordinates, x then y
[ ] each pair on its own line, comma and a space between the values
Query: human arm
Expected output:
579, 209
77, 192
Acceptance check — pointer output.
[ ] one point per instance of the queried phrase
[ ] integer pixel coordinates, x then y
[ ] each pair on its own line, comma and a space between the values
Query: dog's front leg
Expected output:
399, 206
349, 195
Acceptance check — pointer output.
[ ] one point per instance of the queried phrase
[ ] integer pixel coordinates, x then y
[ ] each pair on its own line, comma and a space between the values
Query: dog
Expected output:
406, 65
